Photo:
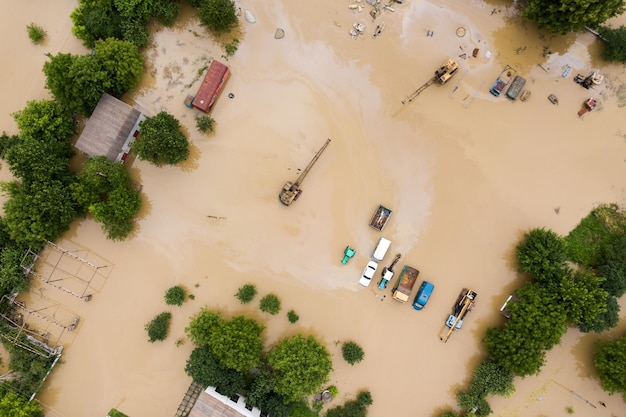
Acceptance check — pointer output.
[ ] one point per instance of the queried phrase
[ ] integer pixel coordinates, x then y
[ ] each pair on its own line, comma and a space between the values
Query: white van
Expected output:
381, 249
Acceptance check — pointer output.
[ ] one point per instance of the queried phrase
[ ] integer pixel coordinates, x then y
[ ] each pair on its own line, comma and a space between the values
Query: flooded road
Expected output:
465, 174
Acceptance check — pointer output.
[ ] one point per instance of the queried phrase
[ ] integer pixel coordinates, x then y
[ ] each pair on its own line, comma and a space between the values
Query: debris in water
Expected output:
249, 16
279, 34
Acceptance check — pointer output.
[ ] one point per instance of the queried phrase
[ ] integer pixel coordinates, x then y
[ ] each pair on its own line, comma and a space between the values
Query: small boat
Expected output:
379, 30
553, 99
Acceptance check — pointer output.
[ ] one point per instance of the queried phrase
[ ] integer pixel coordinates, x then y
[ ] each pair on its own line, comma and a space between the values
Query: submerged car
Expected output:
423, 295
368, 273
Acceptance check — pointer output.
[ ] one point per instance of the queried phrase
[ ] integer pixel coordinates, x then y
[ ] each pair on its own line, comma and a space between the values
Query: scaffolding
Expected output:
64, 269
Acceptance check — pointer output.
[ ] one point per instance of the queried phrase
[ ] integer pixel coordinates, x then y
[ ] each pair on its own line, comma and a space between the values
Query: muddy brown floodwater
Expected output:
464, 173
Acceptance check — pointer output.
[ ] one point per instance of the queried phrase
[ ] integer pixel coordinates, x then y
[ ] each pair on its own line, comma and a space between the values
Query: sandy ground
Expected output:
465, 174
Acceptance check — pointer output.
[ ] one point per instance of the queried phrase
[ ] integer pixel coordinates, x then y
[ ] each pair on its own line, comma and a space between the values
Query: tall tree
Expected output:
583, 297
615, 43
237, 343
206, 370
202, 326
605, 320
161, 140
300, 366
610, 361
45, 121
541, 254
12, 405
34, 160
218, 16
122, 62
563, 16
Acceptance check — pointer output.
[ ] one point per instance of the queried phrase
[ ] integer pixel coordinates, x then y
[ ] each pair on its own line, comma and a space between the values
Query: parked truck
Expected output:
406, 281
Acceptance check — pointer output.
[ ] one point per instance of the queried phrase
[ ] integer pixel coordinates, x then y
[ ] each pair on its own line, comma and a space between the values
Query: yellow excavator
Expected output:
464, 304
291, 190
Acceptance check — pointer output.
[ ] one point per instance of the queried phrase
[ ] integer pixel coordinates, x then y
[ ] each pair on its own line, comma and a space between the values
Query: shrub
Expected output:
157, 328
270, 304
333, 390
175, 296
115, 413
205, 124
219, 16
36, 33
292, 316
246, 293
352, 352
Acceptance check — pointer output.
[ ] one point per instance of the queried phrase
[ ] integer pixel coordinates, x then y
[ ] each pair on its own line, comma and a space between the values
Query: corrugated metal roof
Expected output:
213, 82
108, 128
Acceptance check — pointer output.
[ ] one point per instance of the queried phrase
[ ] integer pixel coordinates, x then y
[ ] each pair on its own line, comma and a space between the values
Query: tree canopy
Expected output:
12, 405
44, 120
541, 254
206, 370
237, 343
218, 16
583, 297
564, 16
610, 361
161, 140
202, 326
615, 43
300, 366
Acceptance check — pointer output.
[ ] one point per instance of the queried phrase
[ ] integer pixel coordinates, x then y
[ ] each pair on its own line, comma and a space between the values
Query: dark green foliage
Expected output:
538, 320
352, 408
583, 297
491, 378
161, 140
6, 142
104, 189
352, 352
78, 82
605, 320
205, 124
566, 16
246, 293
615, 43
158, 327
166, 11
292, 316
270, 304
218, 16
44, 120
610, 361
12, 405
205, 369
114, 413
36, 33
195, 3
615, 278
449, 413
202, 326
467, 400
96, 20
300, 365
38, 211
31, 367
12, 276
34, 160
237, 343
541, 254
175, 296
484, 409
585, 241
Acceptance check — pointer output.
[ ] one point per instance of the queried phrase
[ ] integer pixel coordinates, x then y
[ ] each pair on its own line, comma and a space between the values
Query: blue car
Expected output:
422, 296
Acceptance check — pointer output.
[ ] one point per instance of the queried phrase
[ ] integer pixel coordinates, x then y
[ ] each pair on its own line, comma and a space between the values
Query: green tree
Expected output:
33, 160
538, 320
541, 254
205, 124
122, 62
36, 33
270, 304
610, 361
352, 352
292, 316
237, 343
206, 370
38, 211
175, 296
449, 413
12, 277
605, 320
353, 408
44, 120
615, 277
565, 16
104, 189
202, 326
12, 405
491, 378
96, 20
583, 297
300, 365
615, 43
158, 327
246, 293
218, 16
161, 140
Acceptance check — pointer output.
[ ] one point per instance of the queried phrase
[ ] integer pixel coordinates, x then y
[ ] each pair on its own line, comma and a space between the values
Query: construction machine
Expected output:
464, 304
388, 273
442, 75
291, 190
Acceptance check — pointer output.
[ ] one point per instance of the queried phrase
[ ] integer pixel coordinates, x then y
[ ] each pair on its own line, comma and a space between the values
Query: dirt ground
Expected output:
465, 173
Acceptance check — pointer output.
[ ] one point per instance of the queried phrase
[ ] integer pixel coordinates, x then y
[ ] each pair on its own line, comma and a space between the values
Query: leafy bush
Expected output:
36, 33
352, 352
246, 293
114, 413
541, 254
158, 327
175, 296
219, 16
333, 390
205, 124
161, 140
615, 45
292, 316
270, 304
